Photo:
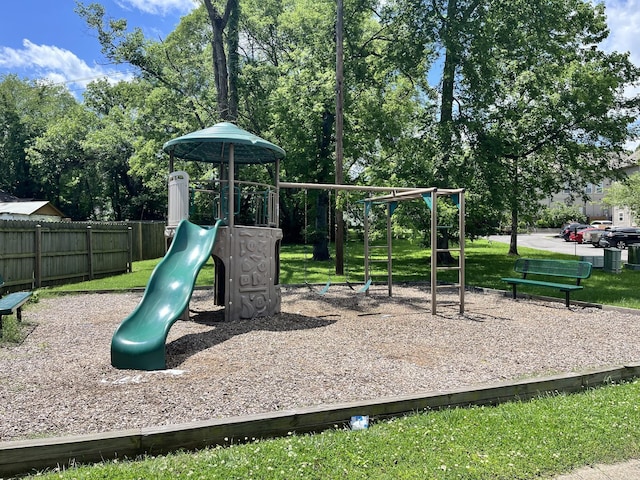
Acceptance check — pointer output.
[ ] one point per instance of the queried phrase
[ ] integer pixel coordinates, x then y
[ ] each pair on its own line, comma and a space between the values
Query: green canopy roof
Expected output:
212, 145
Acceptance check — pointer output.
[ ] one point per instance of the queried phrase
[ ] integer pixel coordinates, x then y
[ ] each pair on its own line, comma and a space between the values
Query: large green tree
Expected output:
526, 101
529, 101
14, 138
290, 69
27, 109
57, 158
548, 106
625, 193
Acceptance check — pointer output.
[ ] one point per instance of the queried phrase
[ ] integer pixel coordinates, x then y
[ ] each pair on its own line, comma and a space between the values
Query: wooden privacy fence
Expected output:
38, 254
148, 240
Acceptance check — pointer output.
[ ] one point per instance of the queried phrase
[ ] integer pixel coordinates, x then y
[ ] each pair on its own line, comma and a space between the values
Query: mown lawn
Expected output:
517, 440
486, 263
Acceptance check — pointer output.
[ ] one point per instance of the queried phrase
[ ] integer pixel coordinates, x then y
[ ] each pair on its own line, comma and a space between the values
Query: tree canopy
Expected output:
511, 100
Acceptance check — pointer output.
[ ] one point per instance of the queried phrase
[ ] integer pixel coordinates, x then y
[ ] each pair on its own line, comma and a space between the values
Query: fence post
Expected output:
130, 262
90, 251
37, 267
140, 246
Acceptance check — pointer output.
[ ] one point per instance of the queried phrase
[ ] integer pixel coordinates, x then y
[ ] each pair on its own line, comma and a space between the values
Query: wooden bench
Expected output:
574, 269
12, 303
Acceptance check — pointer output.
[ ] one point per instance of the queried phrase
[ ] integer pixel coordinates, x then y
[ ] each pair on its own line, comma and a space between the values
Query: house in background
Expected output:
594, 208
40, 211
622, 216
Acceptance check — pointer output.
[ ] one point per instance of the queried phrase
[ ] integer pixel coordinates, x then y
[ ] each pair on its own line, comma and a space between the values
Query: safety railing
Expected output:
254, 203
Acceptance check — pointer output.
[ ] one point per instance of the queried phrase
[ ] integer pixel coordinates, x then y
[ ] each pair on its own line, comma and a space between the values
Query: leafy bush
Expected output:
559, 214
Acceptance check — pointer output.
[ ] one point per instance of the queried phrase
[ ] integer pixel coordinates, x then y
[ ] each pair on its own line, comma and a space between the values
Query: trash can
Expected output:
595, 261
612, 260
634, 255
178, 198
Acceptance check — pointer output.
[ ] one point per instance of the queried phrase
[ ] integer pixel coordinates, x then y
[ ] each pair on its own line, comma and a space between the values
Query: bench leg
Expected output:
566, 298
514, 290
19, 314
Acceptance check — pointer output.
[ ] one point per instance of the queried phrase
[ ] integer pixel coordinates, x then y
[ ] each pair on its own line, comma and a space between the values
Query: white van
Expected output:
602, 224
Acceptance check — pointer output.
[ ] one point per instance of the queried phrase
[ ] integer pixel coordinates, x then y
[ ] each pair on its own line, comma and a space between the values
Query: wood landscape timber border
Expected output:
29, 456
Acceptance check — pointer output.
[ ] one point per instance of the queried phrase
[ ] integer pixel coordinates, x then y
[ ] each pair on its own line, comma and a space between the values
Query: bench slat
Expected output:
558, 268
525, 281
13, 300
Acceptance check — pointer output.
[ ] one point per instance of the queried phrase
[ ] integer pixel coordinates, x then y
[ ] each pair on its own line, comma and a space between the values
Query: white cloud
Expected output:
159, 7
623, 18
55, 64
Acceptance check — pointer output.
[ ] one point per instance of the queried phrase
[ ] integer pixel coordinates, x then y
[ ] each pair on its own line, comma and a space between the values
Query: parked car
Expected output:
564, 231
620, 237
580, 235
593, 236
572, 228
602, 224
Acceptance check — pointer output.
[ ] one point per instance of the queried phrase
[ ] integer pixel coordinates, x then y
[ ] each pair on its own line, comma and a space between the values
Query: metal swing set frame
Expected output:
391, 196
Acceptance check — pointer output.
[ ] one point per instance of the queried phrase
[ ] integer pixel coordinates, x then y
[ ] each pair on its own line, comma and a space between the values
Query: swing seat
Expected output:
325, 289
365, 287
322, 291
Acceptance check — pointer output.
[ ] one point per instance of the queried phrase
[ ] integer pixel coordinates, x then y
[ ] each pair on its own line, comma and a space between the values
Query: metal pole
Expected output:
367, 274
231, 172
434, 250
339, 134
229, 294
389, 251
461, 229
333, 186
277, 213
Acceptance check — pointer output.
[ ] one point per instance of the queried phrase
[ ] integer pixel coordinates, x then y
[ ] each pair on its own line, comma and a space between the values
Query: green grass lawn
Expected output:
516, 440
486, 263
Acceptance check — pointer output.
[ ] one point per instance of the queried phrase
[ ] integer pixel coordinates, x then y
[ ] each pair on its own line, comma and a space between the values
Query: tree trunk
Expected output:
233, 40
221, 73
339, 176
445, 126
513, 244
444, 258
515, 201
450, 64
322, 224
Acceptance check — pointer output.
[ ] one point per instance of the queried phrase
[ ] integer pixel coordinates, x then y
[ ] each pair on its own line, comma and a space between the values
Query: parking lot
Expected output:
552, 242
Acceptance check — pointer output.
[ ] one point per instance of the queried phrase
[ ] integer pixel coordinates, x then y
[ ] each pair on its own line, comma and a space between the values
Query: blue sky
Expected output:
47, 39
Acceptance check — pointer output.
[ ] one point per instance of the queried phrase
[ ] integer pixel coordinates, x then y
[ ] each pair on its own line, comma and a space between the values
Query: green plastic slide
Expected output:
139, 342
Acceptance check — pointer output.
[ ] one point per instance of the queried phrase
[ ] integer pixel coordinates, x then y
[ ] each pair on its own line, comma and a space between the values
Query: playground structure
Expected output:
393, 196
244, 241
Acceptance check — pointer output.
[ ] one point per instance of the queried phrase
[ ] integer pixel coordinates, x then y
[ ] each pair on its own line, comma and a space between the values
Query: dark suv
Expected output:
620, 237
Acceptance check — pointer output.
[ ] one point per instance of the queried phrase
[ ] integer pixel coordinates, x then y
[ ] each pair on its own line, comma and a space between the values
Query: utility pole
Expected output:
339, 132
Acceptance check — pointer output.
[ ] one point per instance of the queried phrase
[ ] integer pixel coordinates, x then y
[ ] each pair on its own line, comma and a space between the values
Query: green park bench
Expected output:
574, 269
12, 303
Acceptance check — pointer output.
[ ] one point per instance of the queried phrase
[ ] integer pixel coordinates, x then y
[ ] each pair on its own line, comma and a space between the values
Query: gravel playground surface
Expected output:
320, 350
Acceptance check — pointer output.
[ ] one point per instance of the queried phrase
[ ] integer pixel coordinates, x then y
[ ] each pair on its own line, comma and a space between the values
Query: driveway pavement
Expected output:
621, 471
551, 242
